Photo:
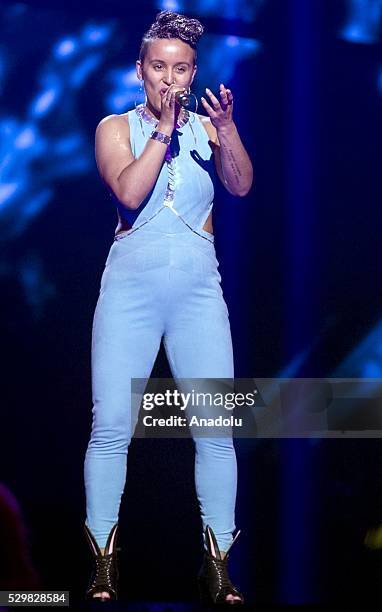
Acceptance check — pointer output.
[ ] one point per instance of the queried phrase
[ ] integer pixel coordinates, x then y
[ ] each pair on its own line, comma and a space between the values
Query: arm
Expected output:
128, 178
233, 165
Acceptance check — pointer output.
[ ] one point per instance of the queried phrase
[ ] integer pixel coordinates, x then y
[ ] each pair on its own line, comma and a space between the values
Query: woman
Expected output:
161, 280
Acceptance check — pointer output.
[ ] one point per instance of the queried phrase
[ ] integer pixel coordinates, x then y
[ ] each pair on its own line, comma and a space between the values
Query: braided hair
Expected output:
172, 25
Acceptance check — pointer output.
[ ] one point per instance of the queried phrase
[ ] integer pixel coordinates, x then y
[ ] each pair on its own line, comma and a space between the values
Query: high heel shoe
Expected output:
105, 571
213, 580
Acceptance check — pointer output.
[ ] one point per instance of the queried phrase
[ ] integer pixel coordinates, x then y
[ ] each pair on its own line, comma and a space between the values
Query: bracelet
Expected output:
161, 137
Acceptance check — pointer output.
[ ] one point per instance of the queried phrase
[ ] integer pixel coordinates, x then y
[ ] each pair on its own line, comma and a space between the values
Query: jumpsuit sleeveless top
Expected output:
184, 189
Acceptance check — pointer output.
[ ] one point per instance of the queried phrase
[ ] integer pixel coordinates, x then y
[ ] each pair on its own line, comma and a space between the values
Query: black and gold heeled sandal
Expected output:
213, 580
105, 571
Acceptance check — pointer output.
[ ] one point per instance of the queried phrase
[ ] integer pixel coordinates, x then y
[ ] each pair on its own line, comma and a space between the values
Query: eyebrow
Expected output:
163, 62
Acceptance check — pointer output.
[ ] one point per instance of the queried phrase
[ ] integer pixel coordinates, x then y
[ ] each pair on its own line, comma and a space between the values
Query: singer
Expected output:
161, 281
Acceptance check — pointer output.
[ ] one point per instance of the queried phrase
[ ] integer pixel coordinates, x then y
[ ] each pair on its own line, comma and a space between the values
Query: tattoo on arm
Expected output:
232, 162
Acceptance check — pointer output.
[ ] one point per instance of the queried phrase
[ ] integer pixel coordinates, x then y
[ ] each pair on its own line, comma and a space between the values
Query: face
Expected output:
166, 61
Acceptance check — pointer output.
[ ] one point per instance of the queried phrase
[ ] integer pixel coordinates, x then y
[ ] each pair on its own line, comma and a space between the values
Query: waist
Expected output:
165, 222
150, 243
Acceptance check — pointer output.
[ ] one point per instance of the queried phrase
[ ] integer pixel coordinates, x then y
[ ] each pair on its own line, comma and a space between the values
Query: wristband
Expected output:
161, 137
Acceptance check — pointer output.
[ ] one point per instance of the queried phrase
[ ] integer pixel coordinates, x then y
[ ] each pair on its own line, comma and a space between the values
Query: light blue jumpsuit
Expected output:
161, 280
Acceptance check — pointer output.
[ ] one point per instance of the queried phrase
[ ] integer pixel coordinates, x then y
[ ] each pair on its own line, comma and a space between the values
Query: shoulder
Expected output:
113, 123
112, 134
210, 129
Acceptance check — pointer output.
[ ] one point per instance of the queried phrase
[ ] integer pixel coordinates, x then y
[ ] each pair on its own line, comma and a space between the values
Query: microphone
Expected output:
183, 98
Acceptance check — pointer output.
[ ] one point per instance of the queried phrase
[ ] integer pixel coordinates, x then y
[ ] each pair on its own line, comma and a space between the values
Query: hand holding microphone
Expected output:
173, 99
183, 98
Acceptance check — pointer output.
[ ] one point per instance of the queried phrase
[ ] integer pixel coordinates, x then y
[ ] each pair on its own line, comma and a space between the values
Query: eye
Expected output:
181, 69
157, 66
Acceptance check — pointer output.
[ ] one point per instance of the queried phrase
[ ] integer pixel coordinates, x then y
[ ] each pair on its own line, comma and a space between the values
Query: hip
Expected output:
149, 248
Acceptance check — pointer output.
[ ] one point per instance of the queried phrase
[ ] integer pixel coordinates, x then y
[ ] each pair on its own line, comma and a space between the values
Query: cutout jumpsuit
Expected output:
161, 279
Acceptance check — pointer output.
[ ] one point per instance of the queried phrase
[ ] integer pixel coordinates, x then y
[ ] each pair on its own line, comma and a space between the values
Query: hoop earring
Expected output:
140, 98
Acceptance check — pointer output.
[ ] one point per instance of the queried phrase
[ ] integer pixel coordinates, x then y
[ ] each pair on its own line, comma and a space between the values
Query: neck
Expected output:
150, 115
152, 110
180, 115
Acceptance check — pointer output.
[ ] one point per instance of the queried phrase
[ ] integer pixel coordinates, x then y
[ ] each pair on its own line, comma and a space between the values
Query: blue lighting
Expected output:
123, 90
84, 69
233, 41
223, 53
366, 358
7, 191
7, 127
68, 144
379, 81
16, 10
25, 139
246, 10
94, 35
66, 47
36, 288
36, 203
119, 103
128, 77
171, 5
44, 102
372, 369
74, 164
363, 22
125, 77
29, 206
2, 71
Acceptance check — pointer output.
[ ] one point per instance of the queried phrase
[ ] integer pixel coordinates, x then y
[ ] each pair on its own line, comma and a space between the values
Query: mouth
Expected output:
163, 91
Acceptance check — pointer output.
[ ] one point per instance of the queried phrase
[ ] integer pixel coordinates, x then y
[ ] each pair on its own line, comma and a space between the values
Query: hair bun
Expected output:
165, 17
174, 25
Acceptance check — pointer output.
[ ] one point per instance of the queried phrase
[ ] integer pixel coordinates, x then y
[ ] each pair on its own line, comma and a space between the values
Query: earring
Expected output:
140, 98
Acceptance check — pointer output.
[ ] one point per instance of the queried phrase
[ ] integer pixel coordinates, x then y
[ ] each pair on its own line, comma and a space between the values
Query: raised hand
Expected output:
220, 111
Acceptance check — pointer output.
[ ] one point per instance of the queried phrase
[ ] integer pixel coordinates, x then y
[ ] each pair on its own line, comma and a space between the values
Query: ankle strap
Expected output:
232, 543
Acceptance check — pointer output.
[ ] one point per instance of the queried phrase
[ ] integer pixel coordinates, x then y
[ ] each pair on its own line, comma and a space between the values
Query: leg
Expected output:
126, 336
198, 345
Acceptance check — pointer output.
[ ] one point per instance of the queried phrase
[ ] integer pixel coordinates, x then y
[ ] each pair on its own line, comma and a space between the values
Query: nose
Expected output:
168, 78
